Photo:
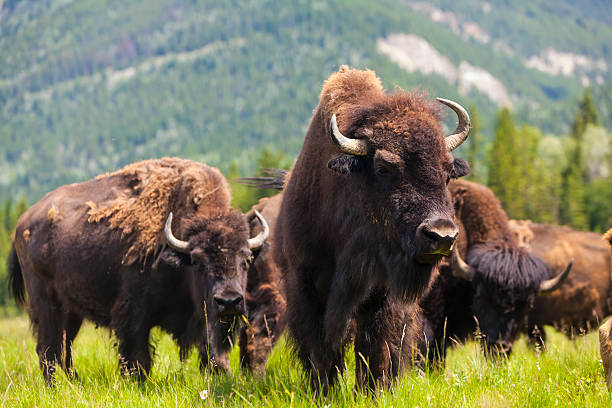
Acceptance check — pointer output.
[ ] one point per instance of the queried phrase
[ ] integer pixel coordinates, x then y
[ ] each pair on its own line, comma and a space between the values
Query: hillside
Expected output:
89, 86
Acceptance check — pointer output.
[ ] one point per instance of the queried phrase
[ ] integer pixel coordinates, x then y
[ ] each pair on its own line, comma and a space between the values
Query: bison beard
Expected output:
363, 223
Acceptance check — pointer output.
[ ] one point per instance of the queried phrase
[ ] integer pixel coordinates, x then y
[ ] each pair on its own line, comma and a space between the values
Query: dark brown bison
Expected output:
497, 287
99, 250
605, 331
584, 299
265, 295
365, 219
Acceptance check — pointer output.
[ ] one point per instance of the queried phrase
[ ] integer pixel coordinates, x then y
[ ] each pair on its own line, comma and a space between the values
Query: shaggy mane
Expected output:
608, 236
156, 188
507, 265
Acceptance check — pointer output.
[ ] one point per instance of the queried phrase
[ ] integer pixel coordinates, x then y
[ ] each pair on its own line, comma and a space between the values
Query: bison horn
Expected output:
553, 283
460, 268
172, 241
258, 241
455, 139
355, 147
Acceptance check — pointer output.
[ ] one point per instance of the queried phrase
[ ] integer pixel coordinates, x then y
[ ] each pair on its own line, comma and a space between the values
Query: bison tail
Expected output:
270, 179
15, 277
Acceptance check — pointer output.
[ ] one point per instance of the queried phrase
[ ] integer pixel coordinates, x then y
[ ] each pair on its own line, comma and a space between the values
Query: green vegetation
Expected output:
568, 374
9, 213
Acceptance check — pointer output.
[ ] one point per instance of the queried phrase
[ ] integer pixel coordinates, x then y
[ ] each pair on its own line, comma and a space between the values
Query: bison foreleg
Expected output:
72, 324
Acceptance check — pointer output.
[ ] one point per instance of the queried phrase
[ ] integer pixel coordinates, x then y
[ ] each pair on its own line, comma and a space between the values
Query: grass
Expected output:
568, 374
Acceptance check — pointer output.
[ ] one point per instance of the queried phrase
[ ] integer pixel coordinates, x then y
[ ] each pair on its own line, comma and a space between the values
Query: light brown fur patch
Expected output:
26, 235
52, 214
608, 236
158, 187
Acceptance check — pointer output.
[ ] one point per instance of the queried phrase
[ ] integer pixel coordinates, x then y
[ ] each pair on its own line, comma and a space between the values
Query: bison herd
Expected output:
373, 240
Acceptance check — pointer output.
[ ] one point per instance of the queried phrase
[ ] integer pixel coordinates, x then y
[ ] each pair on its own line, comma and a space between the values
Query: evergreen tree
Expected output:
504, 171
572, 209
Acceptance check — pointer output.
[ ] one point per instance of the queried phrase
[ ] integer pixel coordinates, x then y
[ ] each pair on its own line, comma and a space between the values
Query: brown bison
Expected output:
494, 291
98, 250
265, 295
605, 331
584, 300
365, 219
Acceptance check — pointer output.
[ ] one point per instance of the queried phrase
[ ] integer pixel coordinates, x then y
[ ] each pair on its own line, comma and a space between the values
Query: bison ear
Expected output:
346, 164
174, 259
460, 168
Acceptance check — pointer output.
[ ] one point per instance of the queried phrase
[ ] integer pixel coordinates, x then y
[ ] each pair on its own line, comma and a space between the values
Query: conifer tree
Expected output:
504, 171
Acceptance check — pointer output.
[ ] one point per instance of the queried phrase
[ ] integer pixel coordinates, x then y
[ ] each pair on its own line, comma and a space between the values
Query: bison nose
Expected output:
437, 236
230, 303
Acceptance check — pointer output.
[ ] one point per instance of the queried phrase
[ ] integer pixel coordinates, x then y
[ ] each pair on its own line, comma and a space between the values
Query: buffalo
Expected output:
365, 219
108, 250
605, 331
490, 294
265, 295
585, 299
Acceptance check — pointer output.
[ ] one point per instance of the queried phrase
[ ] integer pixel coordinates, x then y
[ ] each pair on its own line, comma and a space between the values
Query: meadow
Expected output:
569, 373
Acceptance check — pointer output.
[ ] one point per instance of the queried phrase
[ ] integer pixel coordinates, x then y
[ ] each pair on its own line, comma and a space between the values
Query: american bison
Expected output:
265, 295
585, 299
494, 290
605, 331
100, 250
365, 219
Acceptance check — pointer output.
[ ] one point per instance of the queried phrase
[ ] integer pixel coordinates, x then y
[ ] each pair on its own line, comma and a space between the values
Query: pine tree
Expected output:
504, 171
572, 209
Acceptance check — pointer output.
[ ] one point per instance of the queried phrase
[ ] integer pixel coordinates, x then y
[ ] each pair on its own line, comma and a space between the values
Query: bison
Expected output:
605, 331
100, 250
365, 219
265, 295
585, 299
494, 291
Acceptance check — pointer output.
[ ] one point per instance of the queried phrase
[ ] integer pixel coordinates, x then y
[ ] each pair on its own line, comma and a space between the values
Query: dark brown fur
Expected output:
266, 298
347, 225
505, 285
584, 299
76, 267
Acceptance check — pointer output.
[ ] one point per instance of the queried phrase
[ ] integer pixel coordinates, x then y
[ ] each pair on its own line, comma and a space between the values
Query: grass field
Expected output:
568, 374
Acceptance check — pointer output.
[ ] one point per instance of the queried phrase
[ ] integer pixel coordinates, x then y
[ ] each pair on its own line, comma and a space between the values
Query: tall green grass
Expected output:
569, 373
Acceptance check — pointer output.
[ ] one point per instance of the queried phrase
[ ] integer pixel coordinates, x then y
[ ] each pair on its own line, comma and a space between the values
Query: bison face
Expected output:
398, 164
505, 281
218, 251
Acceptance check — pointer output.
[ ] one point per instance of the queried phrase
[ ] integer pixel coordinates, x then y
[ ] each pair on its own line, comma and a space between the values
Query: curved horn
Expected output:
455, 139
258, 241
355, 147
553, 283
172, 241
460, 268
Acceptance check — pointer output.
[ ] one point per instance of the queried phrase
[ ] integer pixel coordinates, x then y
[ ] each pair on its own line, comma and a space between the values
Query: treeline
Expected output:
545, 178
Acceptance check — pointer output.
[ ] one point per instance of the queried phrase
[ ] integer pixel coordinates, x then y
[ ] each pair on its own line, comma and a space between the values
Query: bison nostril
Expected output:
237, 300
219, 301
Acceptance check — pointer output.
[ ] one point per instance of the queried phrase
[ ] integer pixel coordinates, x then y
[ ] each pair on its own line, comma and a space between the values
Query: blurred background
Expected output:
88, 86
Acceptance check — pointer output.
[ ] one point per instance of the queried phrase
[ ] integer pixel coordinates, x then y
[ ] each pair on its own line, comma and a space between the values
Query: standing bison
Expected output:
98, 250
494, 290
366, 217
265, 295
584, 299
605, 331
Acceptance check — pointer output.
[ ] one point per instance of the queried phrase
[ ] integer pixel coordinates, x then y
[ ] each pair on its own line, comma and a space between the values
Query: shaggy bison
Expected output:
265, 295
494, 290
584, 300
365, 219
605, 331
99, 250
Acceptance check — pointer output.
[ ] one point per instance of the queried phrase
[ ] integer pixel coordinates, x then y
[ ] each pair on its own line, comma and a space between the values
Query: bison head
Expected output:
505, 282
215, 256
398, 160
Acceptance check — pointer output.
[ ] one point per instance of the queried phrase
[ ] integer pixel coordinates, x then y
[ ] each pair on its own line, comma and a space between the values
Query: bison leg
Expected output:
49, 340
72, 324
383, 341
133, 335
